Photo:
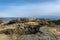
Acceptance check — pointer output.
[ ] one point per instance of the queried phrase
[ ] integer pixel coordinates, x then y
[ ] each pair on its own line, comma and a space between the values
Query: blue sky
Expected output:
29, 8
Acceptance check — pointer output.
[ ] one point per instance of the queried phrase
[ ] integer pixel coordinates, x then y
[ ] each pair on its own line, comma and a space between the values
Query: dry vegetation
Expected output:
13, 29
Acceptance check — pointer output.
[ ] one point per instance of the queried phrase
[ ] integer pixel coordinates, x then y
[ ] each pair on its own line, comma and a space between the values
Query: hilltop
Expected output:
30, 29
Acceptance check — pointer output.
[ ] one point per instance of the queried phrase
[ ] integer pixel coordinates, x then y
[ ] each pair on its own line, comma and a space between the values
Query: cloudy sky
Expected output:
29, 8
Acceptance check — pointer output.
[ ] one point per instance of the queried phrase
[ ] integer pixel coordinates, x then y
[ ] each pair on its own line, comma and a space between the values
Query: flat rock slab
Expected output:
36, 37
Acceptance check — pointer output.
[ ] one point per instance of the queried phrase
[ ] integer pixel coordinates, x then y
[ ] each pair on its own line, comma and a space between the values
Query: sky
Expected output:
29, 8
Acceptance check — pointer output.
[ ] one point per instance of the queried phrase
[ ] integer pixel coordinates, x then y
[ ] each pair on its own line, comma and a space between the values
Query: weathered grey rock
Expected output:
38, 36
27, 37
29, 32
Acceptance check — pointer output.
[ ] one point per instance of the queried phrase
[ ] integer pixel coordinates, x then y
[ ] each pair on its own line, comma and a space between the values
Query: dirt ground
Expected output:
4, 37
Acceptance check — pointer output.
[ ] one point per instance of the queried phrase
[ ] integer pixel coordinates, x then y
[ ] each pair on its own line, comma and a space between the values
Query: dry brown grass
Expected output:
19, 28
32, 23
54, 30
4, 37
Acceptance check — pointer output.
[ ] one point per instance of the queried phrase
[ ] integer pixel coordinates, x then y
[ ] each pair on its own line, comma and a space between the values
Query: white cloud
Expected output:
32, 10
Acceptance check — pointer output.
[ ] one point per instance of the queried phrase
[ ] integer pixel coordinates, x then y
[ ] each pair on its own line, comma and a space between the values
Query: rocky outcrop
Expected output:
29, 29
